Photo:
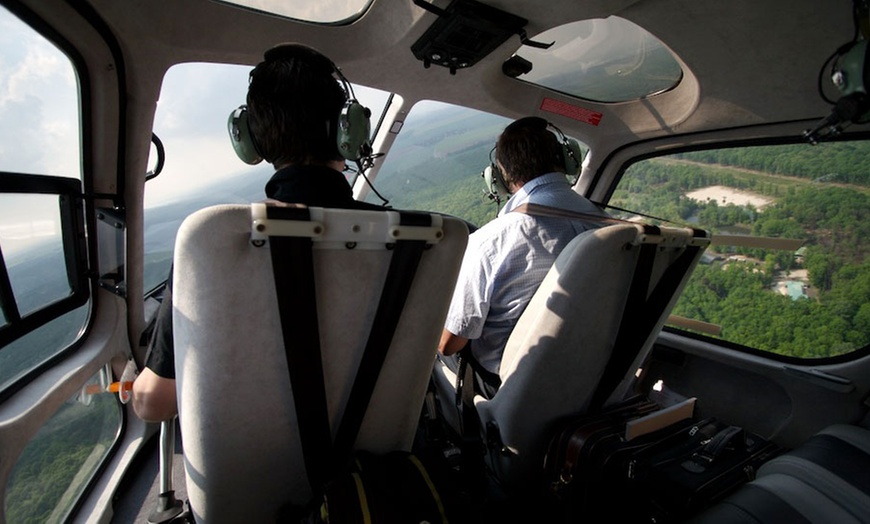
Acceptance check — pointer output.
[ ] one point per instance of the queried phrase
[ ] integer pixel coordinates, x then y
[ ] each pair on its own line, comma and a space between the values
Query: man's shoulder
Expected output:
500, 231
502, 223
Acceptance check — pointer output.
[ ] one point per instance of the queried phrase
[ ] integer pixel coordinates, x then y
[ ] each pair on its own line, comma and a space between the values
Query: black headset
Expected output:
352, 135
496, 185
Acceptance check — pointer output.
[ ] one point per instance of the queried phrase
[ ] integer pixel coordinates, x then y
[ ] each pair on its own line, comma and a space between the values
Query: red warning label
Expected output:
571, 111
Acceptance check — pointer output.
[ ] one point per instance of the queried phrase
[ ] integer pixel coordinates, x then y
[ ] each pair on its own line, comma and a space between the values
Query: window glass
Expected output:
435, 163
201, 168
59, 462
807, 302
318, 11
36, 347
32, 248
39, 116
606, 60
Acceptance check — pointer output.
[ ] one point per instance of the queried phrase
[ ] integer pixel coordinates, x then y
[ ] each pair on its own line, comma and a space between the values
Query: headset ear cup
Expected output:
241, 138
354, 131
495, 183
573, 156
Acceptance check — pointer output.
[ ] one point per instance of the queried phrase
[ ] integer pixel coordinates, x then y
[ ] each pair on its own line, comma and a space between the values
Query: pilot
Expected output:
293, 105
507, 259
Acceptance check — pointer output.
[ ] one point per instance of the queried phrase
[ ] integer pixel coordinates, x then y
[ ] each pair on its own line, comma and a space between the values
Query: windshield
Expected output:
201, 168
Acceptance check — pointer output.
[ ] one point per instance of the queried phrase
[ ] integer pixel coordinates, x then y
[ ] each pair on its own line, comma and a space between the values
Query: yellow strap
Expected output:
363, 501
414, 460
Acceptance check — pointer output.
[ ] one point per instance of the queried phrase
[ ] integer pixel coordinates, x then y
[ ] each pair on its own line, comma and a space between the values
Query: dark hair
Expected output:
527, 150
294, 101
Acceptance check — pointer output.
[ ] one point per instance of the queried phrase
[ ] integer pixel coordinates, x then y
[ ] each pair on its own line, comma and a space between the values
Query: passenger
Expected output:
507, 259
294, 101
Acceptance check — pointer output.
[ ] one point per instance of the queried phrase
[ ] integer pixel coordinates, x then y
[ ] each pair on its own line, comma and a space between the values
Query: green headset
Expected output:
353, 133
496, 185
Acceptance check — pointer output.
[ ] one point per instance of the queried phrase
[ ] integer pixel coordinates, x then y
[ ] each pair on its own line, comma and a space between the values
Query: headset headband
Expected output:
294, 51
317, 61
532, 122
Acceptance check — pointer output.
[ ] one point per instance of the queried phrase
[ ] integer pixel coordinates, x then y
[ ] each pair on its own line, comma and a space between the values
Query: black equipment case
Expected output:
663, 476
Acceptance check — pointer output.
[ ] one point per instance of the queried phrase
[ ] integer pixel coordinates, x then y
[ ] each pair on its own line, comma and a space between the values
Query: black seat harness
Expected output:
293, 267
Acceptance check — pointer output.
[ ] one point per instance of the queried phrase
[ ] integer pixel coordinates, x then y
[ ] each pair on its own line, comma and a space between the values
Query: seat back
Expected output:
237, 411
603, 302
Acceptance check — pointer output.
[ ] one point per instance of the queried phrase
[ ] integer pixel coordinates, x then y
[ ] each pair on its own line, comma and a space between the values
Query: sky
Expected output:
191, 121
38, 104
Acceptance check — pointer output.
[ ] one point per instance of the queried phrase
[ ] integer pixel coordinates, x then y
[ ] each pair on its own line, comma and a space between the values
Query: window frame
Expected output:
73, 237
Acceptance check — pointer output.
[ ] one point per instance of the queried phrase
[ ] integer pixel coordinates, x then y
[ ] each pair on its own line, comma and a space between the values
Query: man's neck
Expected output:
337, 165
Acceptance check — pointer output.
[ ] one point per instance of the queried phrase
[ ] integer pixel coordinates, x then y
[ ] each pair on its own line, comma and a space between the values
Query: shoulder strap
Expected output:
641, 313
547, 211
400, 276
293, 267
624, 347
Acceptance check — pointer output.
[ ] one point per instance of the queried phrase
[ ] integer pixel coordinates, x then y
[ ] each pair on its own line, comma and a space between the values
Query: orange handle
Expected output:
114, 387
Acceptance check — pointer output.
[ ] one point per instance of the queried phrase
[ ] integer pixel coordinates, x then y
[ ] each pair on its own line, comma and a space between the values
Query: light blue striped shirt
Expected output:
505, 262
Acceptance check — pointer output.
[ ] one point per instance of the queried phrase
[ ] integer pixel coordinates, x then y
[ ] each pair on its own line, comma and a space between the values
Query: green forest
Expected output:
436, 164
56, 465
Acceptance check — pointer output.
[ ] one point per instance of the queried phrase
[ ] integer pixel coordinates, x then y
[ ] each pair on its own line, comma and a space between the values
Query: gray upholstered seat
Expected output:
243, 458
558, 351
824, 480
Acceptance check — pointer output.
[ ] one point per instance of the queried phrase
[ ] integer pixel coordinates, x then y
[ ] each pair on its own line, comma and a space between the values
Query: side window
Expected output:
804, 300
435, 163
43, 291
57, 464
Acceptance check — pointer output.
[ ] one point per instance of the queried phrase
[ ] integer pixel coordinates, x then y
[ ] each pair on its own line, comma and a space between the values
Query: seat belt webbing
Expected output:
547, 211
293, 267
640, 316
623, 353
400, 276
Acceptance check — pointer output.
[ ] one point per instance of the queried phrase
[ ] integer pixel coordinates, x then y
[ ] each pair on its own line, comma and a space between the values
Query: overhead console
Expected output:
465, 32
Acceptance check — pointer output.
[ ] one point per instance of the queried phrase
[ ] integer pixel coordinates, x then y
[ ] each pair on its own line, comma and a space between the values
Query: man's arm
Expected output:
468, 306
154, 398
450, 343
